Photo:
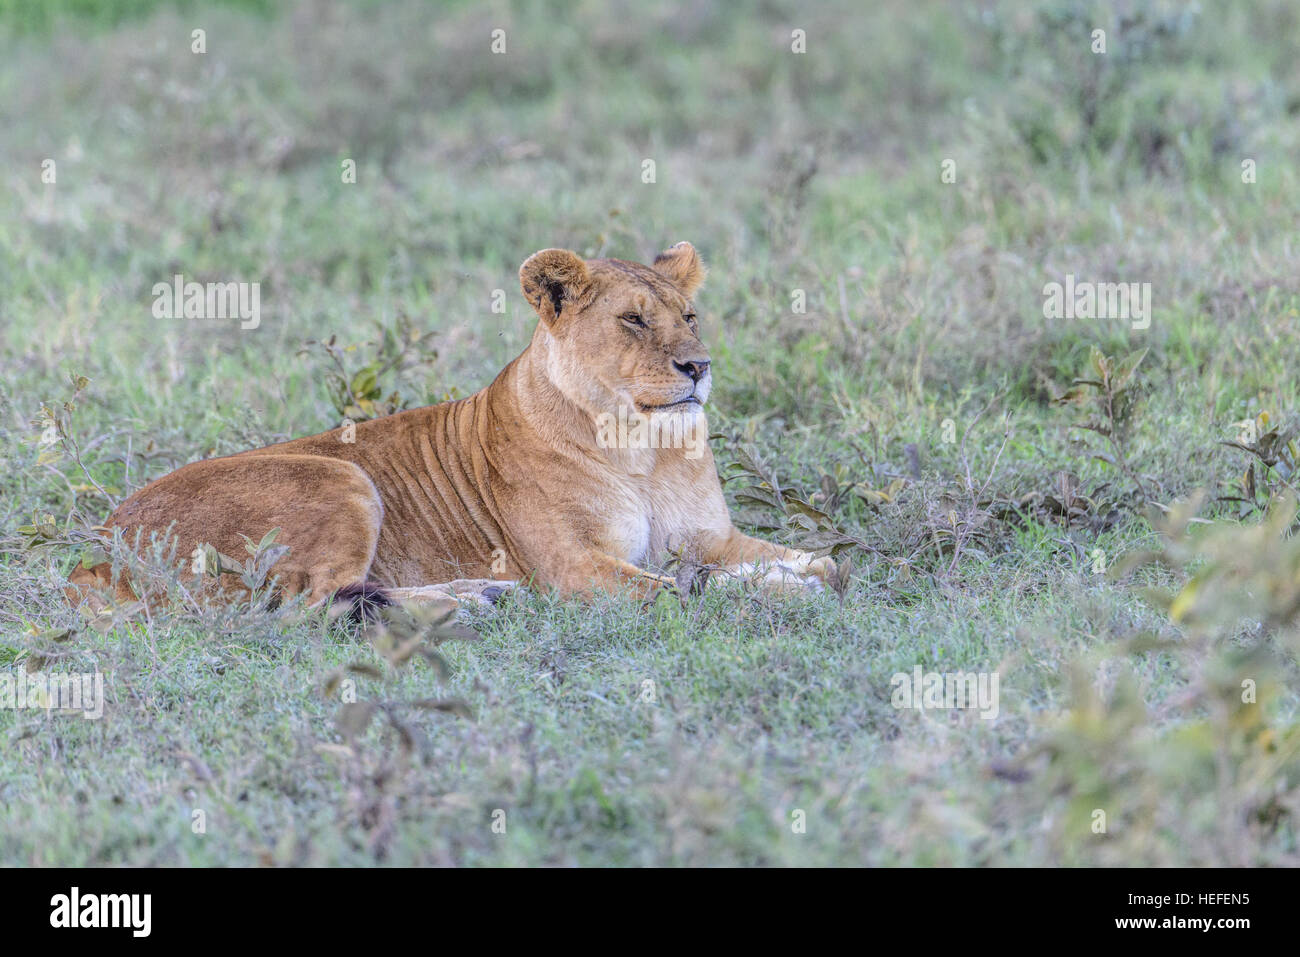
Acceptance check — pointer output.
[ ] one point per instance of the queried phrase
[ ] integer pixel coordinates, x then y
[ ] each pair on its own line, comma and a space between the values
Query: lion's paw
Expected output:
484, 591
803, 573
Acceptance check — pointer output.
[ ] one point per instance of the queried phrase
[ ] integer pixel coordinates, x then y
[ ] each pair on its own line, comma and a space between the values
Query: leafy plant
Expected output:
357, 393
1108, 395
809, 527
252, 571
57, 440
1274, 456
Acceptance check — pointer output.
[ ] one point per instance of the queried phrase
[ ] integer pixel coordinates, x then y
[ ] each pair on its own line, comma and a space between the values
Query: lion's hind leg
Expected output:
327, 511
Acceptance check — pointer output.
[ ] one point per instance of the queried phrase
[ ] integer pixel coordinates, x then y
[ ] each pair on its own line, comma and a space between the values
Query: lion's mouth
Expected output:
690, 400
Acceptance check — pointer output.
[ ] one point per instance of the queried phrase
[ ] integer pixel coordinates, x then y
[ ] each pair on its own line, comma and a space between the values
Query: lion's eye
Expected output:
690, 319
633, 319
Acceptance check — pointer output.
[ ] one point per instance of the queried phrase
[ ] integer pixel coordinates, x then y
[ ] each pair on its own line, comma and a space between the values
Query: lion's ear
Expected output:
681, 265
551, 278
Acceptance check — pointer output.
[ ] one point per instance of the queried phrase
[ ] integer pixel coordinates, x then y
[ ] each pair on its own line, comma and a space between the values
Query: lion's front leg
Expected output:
770, 565
449, 595
586, 572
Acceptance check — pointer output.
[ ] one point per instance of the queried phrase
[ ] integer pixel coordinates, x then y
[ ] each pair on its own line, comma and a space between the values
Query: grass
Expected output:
677, 735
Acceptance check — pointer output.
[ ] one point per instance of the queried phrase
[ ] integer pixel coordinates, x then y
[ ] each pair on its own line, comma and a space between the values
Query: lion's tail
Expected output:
360, 603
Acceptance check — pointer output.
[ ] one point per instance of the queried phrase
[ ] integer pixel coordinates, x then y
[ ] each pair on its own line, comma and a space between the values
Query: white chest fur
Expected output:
650, 523
655, 510
630, 533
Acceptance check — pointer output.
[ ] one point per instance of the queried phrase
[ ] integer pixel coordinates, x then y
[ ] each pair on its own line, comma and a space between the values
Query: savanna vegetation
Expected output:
1101, 515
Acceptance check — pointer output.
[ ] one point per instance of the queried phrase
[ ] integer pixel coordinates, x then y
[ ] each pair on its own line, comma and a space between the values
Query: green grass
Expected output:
612, 734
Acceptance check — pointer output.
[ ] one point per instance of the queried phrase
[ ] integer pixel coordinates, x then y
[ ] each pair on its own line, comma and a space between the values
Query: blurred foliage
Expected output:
1220, 750
40, 16
375, 764
1127, 105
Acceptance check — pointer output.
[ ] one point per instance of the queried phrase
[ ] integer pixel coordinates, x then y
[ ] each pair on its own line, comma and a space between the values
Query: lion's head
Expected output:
620, 334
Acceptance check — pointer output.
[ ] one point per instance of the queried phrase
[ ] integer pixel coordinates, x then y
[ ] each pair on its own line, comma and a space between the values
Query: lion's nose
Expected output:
695, 368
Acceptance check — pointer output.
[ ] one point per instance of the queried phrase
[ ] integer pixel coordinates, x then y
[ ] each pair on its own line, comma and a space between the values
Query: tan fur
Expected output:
509, 483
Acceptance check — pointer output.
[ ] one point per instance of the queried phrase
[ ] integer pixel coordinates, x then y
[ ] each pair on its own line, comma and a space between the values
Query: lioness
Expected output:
518, 482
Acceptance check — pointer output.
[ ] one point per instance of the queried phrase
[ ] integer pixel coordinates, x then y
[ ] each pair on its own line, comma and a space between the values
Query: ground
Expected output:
881, 215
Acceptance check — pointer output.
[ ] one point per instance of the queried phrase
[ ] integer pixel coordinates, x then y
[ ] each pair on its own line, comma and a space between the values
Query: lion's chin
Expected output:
688, 406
